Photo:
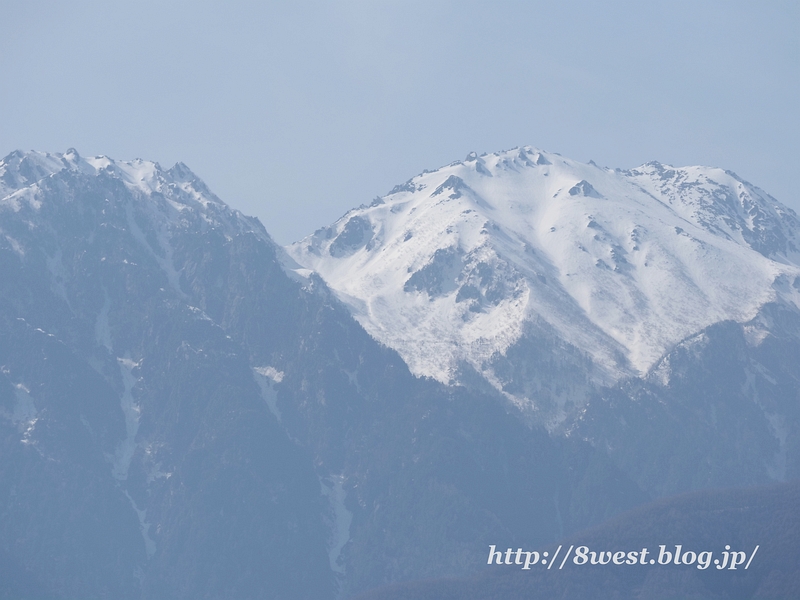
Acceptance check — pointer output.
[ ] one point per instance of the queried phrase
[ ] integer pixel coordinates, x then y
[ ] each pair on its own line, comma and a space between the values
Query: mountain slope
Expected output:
528, 268
133, 427
179, 418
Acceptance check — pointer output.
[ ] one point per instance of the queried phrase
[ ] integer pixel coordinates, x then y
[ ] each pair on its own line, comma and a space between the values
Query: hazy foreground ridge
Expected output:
187, 413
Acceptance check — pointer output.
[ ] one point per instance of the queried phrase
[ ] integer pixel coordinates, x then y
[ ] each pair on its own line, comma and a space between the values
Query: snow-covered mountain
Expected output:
522, 264
181, 419
176, 191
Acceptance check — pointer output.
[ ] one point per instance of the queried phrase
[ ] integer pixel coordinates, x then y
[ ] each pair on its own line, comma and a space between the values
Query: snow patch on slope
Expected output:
102, 330
333, 490
144, 528
25, 414
266, 378
130, 408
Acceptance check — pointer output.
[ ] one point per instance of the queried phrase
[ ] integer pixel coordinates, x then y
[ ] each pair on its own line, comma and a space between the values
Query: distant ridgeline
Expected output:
188, 410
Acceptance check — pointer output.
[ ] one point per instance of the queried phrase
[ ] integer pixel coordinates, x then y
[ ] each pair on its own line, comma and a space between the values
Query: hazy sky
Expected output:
297, 111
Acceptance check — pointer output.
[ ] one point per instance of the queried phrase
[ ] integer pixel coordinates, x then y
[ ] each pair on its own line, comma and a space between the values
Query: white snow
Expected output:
777, 469
41, 164
617, 263
163, 235
333, 490
271, 372
162, 202
15, 245
25, 414
266, 378
144, 527
16, 200
179, 185
130, 408
102, 331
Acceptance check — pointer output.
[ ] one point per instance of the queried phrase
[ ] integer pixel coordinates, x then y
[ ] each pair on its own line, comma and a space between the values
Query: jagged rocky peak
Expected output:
19, 169
458, 267
129, 212
584, 188
720, 201
23, 169
174, 191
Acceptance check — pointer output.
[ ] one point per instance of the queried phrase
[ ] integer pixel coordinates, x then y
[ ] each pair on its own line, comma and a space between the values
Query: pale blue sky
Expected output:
297, 111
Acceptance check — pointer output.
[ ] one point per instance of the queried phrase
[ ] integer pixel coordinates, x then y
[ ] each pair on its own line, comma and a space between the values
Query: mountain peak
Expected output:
180, 172
23, 170
456, 267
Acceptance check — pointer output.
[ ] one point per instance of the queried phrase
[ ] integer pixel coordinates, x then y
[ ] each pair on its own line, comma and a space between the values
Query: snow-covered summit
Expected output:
722, 203
173, 197
22, 172
135, 199
456, 266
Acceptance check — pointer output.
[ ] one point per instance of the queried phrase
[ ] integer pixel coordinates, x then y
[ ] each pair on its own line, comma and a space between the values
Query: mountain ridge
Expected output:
619, 265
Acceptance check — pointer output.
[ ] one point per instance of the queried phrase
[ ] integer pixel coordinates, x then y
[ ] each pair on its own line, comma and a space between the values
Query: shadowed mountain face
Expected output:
179, 418
761, 523
139, 457
719, 410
